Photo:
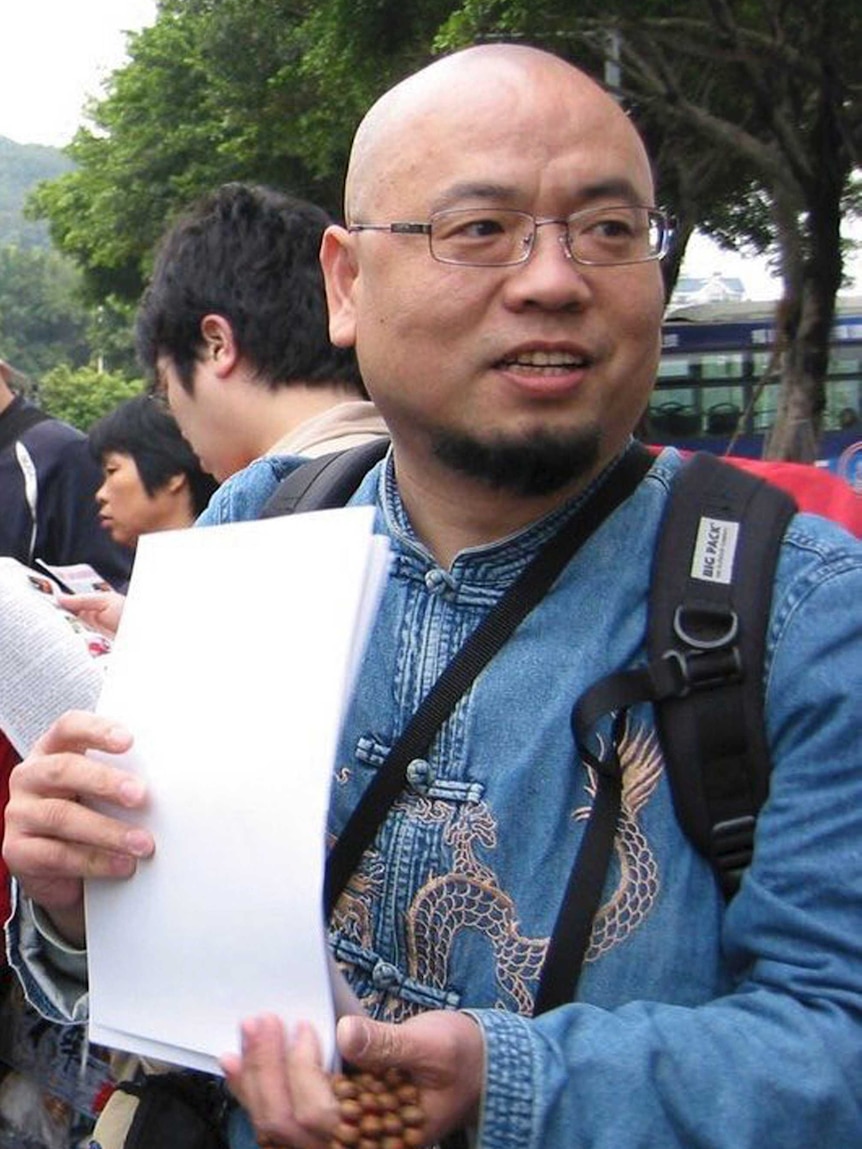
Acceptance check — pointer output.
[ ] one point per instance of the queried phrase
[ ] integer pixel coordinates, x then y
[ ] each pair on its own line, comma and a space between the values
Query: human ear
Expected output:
177, 482
220, 345
340, 275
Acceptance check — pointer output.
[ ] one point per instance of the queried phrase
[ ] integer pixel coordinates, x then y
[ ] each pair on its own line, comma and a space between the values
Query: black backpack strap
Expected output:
711, 589
712, 583
326, 482
18, 418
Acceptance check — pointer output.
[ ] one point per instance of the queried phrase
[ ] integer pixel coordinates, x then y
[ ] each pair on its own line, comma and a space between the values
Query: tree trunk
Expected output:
805, 316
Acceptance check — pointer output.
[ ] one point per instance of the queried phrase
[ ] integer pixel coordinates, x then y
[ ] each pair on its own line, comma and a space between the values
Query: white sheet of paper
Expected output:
234, 655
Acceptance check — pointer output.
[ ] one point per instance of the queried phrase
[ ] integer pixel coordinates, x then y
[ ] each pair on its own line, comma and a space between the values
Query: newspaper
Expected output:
50, 661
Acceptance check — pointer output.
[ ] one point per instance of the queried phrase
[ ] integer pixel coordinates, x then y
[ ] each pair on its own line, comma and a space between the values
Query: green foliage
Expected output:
111, 336
42, 321
212, 93
81, 396
22, 166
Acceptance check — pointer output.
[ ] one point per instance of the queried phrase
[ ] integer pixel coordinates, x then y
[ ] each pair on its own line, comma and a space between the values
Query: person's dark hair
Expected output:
251, 255
142, 428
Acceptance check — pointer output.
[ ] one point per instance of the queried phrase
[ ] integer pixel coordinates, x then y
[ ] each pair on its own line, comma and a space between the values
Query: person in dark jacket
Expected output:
48, 482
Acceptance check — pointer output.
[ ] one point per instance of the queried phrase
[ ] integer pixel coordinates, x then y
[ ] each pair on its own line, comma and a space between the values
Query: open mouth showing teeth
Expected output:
546, 360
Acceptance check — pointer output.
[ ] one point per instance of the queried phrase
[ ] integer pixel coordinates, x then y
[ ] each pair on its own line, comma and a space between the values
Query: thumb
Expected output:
371, 1044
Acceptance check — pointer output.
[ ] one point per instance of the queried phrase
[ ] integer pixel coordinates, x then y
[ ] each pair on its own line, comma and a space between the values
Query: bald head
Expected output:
486, 82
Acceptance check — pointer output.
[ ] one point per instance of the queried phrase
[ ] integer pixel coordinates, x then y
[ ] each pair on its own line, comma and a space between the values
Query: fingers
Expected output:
282, 1084
57, 828
101, 611
441, 1051
79, 730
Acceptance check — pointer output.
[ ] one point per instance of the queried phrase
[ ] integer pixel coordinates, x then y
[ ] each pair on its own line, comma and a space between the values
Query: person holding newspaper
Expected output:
498, 274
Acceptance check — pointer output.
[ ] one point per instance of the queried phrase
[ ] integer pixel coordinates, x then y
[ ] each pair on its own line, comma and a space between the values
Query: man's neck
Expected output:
451, 513
280, 413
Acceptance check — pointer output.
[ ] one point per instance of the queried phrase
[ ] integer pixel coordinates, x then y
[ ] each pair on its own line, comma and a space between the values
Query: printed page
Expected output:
230, 669
76, 578
49, 661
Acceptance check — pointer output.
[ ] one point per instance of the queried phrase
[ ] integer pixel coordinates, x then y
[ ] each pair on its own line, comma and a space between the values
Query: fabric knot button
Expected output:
419, 775
385, 975
436, 580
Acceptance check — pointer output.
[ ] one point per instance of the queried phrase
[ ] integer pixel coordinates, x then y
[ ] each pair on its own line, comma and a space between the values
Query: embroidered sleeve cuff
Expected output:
507, 1116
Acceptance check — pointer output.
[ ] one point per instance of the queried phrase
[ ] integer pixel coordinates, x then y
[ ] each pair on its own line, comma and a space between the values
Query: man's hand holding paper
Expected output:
54, 838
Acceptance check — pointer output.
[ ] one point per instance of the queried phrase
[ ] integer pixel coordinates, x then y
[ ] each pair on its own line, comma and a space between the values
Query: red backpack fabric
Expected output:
8, 759
815, 490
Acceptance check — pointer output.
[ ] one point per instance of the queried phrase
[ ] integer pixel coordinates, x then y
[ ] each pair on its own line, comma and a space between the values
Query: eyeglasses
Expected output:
500, 237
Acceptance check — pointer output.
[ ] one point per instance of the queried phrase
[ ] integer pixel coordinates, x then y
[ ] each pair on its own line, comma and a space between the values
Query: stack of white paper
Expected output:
231, 667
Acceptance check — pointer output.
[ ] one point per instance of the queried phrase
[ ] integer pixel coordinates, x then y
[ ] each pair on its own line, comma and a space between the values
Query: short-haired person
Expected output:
233, 330
233, 327
47, 482
498, 275
151, 478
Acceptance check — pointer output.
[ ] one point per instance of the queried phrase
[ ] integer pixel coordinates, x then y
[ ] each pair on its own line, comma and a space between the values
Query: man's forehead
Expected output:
416, 131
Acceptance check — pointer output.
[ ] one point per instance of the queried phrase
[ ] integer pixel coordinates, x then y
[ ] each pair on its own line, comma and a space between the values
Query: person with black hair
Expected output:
152, 479
47, 482
233, 328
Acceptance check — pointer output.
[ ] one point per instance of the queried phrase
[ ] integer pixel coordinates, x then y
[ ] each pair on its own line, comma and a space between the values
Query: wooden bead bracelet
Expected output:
377, 1111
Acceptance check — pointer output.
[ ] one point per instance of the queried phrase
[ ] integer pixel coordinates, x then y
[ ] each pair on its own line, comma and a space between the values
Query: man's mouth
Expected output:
548, 362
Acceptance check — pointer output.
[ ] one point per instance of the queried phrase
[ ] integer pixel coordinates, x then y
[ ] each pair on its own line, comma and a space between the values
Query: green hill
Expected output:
22, 167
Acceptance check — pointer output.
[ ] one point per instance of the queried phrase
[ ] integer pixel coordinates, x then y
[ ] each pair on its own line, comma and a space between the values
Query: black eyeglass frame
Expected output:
655, 216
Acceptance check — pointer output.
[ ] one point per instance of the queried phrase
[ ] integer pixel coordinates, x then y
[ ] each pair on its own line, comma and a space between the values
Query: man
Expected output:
233, 330
48, 483
511, 355
233, 327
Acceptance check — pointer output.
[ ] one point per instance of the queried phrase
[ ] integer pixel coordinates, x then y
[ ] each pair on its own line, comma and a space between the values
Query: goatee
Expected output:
538, 464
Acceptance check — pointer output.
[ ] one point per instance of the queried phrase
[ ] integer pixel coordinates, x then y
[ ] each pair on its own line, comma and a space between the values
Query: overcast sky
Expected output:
54, 54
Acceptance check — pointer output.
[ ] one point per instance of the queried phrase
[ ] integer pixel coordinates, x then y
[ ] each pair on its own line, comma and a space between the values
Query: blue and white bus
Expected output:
713, 358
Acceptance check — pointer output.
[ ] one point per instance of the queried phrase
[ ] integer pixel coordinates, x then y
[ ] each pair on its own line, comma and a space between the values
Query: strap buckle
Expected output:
732, 849
702, 669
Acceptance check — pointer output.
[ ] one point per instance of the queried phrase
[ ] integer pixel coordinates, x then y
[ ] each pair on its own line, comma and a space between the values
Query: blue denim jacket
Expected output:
695, 1025
244, 494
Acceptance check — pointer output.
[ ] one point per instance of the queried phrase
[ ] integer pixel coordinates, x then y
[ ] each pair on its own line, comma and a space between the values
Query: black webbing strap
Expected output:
527, 590
325, 483
16, 419
570, 937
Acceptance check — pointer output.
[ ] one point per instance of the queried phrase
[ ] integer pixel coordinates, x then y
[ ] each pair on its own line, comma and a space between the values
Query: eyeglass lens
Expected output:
483, 236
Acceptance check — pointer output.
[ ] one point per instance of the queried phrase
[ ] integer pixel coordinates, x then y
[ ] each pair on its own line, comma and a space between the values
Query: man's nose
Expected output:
562, 235
544, 279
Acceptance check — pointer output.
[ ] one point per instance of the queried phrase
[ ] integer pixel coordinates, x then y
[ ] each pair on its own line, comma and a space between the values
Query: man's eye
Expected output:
483, 227
476, 227
613, 228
